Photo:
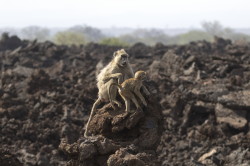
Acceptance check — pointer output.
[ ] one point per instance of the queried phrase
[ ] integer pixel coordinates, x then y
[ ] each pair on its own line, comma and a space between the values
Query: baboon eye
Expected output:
124, 56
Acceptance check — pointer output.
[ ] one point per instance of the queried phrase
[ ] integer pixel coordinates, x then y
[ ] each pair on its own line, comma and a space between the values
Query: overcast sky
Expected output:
124, 13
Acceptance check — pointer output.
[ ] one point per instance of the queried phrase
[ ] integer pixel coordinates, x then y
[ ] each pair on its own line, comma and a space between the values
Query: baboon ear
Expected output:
114, 54
123, 50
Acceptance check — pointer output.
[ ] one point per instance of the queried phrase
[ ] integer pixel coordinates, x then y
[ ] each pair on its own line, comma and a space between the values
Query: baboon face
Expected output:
121, 58
140, 75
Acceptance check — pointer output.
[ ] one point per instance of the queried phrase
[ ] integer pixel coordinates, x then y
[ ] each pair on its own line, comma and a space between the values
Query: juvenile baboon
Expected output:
118, 69
131, 87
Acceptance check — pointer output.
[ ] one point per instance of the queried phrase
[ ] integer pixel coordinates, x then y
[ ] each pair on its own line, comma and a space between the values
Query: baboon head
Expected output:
140, 75
121, 57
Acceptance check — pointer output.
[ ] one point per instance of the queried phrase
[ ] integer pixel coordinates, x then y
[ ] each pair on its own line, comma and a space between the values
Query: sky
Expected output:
124, 13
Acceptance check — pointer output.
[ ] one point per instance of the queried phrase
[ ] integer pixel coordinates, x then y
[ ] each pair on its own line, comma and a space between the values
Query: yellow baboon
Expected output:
131, 87
119, 68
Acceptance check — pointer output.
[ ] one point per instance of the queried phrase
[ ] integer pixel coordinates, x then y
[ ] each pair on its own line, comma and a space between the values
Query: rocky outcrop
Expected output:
198, 111
119, 138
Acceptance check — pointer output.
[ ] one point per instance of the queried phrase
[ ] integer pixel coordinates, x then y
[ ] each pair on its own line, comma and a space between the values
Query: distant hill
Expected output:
243, 30
118, 31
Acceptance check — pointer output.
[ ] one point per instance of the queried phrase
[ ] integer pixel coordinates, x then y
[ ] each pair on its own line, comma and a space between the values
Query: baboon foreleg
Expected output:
92, 113
113, 97
145, 90
138, 93
116, 76
135, 101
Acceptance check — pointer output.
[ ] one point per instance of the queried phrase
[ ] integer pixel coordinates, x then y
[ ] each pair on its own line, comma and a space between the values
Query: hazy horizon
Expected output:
120, 13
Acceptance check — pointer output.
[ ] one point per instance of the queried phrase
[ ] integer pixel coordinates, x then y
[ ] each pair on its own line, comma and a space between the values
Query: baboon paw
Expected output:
118, 104
112, 106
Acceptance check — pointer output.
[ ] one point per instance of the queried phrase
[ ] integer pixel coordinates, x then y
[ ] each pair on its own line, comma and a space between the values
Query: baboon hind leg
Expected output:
127, 103
92, 113
113, 97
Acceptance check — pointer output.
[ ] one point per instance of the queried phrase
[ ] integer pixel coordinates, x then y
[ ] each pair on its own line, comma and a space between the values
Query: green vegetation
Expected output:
194, 35
91, 34
35, 32
113, 42
216, 29
69, 38
82, 34
149, 37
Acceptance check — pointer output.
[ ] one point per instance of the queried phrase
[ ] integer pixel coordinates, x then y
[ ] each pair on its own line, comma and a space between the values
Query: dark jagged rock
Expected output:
239, 99
198, 111
7, 158
236, 119
9, 42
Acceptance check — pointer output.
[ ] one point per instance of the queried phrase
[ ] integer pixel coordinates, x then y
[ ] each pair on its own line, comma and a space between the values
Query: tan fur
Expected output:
131, 87
118, 69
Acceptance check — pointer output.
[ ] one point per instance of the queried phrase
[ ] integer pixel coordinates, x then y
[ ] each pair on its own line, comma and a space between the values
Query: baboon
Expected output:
118, 69
131, 87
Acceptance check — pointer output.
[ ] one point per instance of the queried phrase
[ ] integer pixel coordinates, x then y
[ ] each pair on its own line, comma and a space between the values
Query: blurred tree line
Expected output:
82, 34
